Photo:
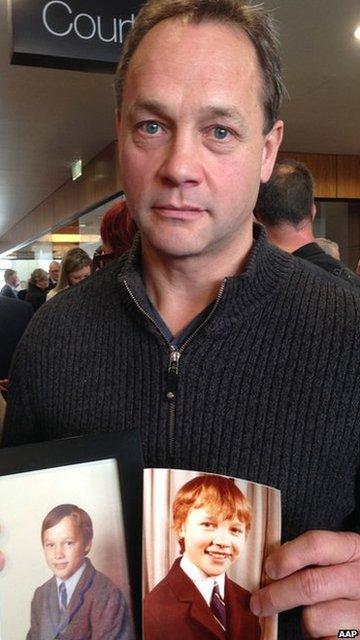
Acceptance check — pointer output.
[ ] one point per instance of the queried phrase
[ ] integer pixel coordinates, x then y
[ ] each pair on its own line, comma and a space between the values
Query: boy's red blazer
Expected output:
176, 609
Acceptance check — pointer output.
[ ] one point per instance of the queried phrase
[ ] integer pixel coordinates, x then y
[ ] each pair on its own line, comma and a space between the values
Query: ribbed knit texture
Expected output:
267, 391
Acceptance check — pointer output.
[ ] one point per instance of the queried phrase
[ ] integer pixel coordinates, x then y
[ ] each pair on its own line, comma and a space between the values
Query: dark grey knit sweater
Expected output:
267, 389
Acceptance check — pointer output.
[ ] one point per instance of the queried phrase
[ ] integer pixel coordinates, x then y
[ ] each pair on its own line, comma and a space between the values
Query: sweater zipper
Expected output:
175, 354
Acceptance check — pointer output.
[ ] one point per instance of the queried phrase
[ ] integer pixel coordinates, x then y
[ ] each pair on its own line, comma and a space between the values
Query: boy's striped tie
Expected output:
217, 606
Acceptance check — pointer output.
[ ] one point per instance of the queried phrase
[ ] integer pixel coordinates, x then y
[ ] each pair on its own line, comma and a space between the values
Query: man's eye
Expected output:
221, 133
150, 127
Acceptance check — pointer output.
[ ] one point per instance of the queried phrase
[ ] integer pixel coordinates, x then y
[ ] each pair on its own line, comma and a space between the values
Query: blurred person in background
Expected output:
38, 284
75, 266
117, 232
11, 282
286, 208
22, 291
14, 316
54, 272
329, 246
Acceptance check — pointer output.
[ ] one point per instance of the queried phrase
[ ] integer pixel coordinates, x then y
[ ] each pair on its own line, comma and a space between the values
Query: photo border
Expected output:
122, 446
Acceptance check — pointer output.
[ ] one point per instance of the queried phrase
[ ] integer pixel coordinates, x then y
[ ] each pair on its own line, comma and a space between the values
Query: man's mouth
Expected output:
60, 565
179, 211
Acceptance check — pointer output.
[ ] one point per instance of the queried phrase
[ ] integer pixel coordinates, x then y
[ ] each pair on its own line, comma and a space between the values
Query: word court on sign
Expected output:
84, 25
71, 34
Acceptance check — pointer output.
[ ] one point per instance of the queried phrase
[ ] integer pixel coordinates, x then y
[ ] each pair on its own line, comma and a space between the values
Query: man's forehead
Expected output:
176, 57
200, 47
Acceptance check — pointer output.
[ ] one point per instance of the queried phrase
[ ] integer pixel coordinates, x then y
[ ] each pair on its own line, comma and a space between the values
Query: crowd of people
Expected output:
231, 354
17, 306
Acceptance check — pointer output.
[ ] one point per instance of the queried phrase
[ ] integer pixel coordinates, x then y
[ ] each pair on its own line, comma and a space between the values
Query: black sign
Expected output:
71, 34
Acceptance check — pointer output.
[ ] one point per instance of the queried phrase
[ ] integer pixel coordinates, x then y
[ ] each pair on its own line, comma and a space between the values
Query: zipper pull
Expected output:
173, 371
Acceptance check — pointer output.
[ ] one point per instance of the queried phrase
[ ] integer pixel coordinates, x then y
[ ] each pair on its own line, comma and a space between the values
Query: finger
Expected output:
326, 619
308, 586
2, 561
313, 547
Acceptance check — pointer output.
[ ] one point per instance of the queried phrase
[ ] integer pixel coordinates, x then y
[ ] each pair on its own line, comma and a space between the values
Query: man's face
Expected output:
13, 280
191, 143
212, 543
54, 270
64, 548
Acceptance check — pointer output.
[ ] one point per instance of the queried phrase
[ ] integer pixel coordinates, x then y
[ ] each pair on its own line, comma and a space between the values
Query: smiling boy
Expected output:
78, 601
196, 600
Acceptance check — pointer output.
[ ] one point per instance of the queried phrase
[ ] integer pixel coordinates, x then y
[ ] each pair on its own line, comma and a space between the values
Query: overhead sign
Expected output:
71, 34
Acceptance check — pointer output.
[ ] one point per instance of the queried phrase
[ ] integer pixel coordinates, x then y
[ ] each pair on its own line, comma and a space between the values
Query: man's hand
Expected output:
2, 560
319, 570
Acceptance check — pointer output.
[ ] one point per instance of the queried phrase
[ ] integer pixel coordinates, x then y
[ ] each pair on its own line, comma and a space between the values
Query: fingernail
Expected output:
270, 569
255, 605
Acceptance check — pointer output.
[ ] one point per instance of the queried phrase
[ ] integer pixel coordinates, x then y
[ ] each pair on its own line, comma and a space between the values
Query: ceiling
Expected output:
49, 117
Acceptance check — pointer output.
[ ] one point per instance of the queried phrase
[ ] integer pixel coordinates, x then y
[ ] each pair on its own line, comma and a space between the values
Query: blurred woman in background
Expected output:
117, 232
75, 266
38, 283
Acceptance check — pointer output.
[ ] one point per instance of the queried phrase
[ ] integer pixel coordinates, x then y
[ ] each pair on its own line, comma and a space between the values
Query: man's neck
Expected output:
289, 238
180, 288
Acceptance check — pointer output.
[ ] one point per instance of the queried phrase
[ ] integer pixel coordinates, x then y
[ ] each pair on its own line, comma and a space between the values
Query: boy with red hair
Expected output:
196, 600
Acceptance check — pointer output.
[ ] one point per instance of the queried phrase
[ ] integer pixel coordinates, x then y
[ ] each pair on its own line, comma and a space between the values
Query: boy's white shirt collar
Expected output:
71, 583
201, 580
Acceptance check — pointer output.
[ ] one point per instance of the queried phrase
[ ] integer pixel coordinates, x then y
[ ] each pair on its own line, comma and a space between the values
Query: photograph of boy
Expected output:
197, 600
78, 601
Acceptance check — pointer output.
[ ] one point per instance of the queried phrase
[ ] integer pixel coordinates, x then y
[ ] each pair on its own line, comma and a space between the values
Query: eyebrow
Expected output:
210, 111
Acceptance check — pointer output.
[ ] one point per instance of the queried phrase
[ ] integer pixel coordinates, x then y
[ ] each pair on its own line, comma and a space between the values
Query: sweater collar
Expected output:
266, 269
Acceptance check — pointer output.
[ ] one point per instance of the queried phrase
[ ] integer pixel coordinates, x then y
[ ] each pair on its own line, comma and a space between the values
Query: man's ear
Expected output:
271, 146
313, 212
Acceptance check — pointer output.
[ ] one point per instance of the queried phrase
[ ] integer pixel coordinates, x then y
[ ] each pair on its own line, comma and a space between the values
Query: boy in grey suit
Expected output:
78, 601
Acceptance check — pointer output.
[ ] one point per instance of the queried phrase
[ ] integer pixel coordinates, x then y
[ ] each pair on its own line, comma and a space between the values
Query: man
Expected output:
14, 317
286, 208
54, 272
205, 337
11, 282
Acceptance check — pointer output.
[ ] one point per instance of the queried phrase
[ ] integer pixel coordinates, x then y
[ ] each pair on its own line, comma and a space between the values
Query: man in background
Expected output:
14, 317
11, 282
286, 208
54, 272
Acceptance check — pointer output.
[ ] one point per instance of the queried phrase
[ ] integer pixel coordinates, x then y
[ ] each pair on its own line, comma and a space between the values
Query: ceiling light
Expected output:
76, 169
357, 33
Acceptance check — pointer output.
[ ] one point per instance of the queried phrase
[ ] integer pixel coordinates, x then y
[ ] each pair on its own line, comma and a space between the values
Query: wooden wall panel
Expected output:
100, 180
348, 176
323, 169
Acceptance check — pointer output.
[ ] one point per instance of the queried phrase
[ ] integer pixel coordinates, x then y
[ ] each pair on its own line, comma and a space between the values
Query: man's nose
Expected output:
182, 163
